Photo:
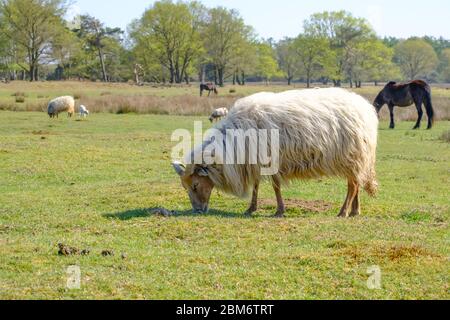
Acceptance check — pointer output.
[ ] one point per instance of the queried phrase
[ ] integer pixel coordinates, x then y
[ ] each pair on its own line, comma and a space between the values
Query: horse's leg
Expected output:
430, 110
420, 113
391, 111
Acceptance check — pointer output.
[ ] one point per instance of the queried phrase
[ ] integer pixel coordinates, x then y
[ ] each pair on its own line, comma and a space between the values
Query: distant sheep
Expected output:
322, 133
61, 104
84, 112
218, 114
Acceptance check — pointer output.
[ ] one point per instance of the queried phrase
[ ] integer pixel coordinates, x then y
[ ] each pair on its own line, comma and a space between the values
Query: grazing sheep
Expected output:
218, 114
61, 104
84, 112
322, 133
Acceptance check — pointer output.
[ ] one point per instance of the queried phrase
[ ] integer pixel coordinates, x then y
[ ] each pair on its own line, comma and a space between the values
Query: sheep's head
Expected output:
199, 186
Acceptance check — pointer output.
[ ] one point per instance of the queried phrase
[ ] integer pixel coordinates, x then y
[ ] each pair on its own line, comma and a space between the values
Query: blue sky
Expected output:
279, 18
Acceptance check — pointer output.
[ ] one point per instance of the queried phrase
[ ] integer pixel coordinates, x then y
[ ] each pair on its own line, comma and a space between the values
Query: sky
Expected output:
280, 18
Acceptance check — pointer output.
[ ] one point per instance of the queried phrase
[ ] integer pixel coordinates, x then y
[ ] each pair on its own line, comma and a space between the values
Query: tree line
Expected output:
183, 41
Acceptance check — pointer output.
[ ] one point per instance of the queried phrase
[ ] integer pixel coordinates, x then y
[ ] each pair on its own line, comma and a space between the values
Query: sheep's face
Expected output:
198, 185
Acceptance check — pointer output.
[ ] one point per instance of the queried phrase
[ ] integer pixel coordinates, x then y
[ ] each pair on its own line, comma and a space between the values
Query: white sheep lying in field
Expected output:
322, 133
218, 114
61, 104
84, 112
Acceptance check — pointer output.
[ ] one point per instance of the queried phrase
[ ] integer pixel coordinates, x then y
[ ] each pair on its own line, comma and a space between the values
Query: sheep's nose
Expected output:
203, 210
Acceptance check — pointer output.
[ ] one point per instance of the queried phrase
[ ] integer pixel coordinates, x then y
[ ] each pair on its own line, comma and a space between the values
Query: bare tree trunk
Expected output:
203, 75
220, 72
102, 62
216, 76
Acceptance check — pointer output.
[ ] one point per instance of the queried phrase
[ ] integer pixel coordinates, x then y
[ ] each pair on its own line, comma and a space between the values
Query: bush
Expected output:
77, 95
20, 99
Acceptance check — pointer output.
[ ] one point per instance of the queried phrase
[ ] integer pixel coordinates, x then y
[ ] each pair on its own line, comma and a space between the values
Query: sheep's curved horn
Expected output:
180, 168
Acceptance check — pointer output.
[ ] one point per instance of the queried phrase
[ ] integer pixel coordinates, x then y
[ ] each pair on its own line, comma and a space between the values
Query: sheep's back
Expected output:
323, 131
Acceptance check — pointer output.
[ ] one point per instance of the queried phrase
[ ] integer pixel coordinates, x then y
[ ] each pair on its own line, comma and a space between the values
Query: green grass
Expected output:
91, 184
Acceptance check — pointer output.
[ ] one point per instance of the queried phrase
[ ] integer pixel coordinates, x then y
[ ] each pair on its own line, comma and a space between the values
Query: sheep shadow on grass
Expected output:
149, 212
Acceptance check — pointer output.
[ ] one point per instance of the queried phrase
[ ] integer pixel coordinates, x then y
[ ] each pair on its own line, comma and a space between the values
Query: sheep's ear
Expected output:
202, 171
180, 168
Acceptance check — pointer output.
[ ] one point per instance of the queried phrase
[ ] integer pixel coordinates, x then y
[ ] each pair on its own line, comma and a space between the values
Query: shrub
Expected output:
77, 95
20, 99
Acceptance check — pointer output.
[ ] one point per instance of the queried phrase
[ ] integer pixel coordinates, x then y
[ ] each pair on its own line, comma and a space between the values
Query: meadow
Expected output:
122, 98
93, 184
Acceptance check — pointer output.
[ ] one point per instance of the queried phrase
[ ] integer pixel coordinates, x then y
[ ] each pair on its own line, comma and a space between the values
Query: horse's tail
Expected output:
429, 104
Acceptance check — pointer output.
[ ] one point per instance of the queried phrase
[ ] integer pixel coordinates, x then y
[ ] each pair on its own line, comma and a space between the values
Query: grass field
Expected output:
92, 184
122, 98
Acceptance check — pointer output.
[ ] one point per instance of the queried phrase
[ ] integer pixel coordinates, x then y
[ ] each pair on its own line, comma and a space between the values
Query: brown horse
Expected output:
210, 87
416, 92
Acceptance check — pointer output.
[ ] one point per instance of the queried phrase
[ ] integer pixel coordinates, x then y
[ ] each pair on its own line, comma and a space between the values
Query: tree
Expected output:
267, 66
31, 25
66, 49
97, 38
342, 31
170, 32
445, 65
416, 58
370, 60
287, 59
224, 33
314, 56
244, 61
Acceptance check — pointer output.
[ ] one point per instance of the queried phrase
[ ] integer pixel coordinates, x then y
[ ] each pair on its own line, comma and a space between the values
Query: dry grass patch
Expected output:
178, 105
378, 253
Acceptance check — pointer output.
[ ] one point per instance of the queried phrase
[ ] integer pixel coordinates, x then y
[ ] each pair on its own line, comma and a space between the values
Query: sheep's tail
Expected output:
370, 183
371, 187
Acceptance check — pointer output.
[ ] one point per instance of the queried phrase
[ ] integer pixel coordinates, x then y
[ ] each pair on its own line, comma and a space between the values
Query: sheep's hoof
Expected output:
279, 215
249, 212
355, 214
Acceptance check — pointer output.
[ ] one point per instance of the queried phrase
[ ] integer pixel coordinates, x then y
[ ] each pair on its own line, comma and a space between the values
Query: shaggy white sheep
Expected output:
218, 114
323, 132
84, 112
61, 104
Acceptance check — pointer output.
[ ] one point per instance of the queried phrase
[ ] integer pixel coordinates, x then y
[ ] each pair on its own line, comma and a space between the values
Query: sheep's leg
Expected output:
356, 205
351, 194
281, 209
254, 204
